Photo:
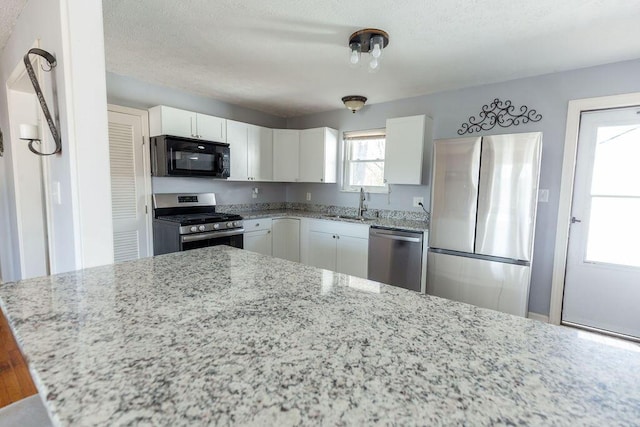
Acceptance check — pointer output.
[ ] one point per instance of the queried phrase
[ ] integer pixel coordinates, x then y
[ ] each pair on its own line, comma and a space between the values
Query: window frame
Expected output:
348, 136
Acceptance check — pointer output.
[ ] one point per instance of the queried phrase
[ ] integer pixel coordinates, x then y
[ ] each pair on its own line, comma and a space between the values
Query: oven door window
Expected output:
235, 241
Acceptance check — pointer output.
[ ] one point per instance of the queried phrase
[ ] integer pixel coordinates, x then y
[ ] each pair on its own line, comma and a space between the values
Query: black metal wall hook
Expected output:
51, 60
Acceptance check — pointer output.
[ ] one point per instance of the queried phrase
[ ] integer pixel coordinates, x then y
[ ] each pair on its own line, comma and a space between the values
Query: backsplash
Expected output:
325, 209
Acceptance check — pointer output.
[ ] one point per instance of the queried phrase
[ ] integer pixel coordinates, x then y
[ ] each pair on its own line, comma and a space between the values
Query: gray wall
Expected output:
548, 94
130, 92
134, 93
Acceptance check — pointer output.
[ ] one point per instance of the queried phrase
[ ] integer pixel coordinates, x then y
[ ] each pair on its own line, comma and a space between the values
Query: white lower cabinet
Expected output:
286, 238
257, 235
340, 247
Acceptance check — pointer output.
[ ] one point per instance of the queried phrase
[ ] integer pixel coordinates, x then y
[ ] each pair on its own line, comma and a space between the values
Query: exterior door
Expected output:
131, 222
602, 282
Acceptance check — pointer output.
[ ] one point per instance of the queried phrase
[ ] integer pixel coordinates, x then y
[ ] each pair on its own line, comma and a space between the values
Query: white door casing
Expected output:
576, 107
130, 183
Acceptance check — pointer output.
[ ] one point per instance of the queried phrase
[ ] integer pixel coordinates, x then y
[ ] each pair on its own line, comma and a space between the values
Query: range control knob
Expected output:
216, 226
194, 228
237, 223
202, 228
229, 224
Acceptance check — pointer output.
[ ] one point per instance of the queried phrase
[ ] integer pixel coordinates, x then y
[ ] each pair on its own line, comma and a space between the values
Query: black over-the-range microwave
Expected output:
178, 156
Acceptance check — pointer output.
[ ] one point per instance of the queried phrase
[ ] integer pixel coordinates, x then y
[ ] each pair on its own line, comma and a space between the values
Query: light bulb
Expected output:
354, 57
377, 42
376, 51
374, 63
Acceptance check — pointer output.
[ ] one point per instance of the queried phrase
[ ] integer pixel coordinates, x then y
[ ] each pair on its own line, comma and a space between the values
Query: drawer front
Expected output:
257, 224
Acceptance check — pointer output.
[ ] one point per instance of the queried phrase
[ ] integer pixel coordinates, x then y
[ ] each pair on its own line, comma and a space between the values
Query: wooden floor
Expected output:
15, 380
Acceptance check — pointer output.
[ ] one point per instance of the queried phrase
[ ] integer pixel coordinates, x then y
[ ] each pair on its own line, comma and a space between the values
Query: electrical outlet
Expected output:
417, 201
308, 197
543, 195
254, 196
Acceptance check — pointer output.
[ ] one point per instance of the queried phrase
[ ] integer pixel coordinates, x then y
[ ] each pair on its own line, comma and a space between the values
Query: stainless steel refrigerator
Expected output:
483, 213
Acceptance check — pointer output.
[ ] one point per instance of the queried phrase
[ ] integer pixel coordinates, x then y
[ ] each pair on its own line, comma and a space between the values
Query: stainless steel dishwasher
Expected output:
395, 257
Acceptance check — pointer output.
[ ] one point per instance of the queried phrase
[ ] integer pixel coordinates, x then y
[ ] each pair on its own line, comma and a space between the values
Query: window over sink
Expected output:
364, 161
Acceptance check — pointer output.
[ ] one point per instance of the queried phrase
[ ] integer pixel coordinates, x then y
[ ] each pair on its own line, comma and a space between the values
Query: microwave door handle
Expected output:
220, 161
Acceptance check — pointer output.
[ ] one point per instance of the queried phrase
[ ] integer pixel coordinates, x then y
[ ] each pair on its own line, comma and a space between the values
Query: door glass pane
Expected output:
363, 174
616, 168
614, 231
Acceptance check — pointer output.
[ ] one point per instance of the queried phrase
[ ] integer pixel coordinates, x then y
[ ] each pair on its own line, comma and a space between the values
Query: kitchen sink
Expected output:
350, 217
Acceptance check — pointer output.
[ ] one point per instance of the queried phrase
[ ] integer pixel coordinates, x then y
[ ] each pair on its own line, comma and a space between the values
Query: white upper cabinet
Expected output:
165, 120
211, 128
237, 138
286, 146
251, 152
318, 155
407, 149
260, 153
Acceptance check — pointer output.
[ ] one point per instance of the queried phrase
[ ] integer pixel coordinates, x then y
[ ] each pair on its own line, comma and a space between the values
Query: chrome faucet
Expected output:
361, 207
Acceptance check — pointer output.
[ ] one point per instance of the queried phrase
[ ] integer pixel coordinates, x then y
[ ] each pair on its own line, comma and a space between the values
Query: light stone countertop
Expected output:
225, 336
402, 224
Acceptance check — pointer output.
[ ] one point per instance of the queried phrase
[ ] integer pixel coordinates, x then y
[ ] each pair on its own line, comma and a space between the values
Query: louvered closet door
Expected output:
130, 232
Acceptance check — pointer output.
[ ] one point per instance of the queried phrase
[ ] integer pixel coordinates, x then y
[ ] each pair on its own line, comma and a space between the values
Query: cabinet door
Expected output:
237, 138
258, 241
172, 121
260, 150
318, 155
352, 256
211, 128
285, 155
286, 238
312, 155
404, 148
322, 250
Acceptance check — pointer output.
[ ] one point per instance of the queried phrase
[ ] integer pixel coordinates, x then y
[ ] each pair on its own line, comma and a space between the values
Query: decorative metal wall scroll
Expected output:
500, 113
51, 60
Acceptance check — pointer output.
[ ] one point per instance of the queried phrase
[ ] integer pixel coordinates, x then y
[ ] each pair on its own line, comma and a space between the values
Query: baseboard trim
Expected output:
539, 317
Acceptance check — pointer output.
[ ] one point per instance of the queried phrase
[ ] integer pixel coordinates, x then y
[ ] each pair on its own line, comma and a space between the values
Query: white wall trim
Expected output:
576, 107
146, 159
537, 316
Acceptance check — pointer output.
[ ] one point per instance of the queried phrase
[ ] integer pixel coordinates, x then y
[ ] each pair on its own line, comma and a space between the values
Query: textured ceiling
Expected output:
9, 12
290, 58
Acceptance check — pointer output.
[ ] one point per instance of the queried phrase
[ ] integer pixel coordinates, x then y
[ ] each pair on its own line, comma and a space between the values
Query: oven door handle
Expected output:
210, 235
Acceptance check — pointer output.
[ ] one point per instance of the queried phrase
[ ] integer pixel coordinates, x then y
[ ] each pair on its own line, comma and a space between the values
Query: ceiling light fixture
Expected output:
354, 102
369, 40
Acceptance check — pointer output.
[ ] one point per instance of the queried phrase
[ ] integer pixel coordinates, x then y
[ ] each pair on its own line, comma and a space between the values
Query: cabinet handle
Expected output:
321, 179
337, 237
258, 224
268, 231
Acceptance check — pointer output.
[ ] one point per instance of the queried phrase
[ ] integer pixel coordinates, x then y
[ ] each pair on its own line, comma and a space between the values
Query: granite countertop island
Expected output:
225, 336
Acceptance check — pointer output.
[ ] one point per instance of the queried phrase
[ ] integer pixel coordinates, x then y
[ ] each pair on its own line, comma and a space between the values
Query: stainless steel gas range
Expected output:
189, 221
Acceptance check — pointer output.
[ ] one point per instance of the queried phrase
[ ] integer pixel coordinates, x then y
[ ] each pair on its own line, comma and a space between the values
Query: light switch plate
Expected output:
417, 201
543, 195
308, 197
